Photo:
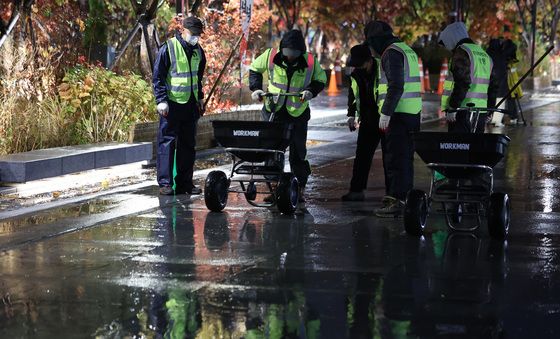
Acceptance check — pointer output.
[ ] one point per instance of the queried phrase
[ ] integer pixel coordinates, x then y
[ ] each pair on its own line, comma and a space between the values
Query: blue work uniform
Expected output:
176, 139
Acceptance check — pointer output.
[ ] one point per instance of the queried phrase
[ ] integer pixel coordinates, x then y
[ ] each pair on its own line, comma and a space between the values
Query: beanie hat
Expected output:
194, 25
452, 34
359, 54
376, 28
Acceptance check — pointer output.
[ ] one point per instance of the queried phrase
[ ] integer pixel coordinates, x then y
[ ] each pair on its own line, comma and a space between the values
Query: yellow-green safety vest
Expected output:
411, 99
278, 80
356, 91
481, 67
512, 79
182, 78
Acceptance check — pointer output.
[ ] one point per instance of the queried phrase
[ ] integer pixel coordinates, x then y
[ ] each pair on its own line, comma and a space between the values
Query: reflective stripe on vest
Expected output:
182, 78
278, 83
411, 99
356, 91
481, 67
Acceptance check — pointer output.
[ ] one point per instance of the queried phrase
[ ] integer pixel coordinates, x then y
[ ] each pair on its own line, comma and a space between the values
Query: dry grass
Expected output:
31, 116
34, 114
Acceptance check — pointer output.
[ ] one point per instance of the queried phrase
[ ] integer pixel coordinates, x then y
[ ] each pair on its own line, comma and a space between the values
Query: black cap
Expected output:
294, 40
359, 54
194, 25
377, 28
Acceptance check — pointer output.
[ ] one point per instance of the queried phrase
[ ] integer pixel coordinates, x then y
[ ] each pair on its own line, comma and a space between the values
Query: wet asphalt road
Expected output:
132, 264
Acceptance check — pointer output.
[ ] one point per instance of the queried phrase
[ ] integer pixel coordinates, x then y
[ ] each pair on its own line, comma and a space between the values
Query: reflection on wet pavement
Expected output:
331, 271
78, 210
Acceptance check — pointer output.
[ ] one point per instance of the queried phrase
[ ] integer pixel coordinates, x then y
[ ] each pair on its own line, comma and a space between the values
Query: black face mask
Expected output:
379, 43
290, 62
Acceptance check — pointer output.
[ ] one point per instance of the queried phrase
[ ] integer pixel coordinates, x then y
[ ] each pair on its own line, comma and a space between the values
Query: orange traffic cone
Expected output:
333, 90
421, 68
442, 76
427, 85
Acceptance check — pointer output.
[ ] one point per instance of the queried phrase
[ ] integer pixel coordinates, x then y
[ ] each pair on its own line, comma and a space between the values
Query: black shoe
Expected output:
353, 196
194, 191
269, 198
165, 190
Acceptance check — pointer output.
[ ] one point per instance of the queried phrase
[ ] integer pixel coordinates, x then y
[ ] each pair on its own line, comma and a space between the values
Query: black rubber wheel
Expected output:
216, 191
498, 215
287, 193
251, 191
415, 212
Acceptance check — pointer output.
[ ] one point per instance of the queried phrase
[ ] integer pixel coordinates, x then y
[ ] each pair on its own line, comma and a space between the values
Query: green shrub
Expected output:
105, 105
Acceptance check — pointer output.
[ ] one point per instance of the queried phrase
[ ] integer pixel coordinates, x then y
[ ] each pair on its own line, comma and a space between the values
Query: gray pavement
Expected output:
127, 263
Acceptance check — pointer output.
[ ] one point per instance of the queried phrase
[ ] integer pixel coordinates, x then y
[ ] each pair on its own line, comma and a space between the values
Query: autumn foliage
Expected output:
223, 29
48, 42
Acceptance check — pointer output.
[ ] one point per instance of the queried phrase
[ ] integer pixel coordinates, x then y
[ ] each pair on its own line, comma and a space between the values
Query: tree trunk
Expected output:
83, 5
194, 8
145, 64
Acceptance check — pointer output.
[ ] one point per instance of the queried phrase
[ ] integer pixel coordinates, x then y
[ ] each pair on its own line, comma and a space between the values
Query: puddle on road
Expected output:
553, 173
46, 217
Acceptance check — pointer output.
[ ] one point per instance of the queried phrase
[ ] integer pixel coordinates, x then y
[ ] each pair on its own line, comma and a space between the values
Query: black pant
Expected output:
176, 145
511, 107
368, 139
298, 149
398, 154
463, 124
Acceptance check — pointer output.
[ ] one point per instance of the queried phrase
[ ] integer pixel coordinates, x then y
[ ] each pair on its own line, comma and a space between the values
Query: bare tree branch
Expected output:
522, 12
195, 6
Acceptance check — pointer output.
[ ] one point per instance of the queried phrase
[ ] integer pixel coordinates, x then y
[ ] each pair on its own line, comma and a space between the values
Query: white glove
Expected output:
257, 95
163, 108
306, 96
451, 117
351, 123
384, 122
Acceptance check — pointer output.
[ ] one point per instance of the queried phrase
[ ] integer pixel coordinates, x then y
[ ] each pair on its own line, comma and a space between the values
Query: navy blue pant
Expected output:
368, 140
176, 145
398, 154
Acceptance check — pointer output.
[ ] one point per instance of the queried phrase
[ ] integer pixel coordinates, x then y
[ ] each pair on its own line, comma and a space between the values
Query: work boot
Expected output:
385, 201
165, 190
392, 207
354, 196
269, 198
194, 190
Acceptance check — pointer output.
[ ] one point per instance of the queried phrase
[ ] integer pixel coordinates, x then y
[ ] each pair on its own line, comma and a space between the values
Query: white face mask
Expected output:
192, 39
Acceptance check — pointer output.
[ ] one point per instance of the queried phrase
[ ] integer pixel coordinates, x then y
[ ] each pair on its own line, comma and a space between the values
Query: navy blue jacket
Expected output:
161, 68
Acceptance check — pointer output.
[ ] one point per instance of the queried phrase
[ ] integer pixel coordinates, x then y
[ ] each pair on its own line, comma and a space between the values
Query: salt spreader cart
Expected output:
466, 161
257, 150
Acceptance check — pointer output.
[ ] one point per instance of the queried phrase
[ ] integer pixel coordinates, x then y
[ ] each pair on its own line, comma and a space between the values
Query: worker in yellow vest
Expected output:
291, 69
363, 114
400, 103
469, 79
177, 82
512, 102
